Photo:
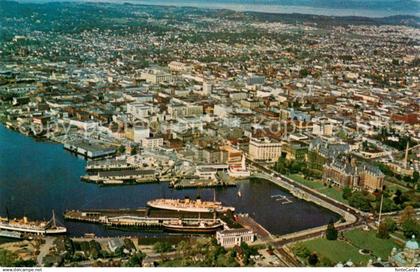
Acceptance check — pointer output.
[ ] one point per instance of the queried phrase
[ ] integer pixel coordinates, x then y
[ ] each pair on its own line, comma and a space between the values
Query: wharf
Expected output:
94, 214
199, 183
143, 218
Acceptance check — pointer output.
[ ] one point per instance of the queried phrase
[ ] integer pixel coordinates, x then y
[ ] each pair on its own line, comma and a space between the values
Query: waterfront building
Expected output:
89, 149
234, 237
264, 149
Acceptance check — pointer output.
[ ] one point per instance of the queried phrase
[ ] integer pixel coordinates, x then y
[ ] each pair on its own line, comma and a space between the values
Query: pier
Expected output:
145, 218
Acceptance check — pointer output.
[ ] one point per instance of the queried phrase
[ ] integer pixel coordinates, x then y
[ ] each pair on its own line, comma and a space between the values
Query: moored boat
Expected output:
24, 225
199, 227
188, 205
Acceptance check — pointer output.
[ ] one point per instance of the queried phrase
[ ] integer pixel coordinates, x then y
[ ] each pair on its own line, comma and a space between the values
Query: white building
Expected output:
177, 66
264, 149
140, 110
232, 237
151, 143
140, 133
156, 76
176, 110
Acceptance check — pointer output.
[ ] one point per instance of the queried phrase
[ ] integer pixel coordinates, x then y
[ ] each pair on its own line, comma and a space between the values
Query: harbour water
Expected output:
37, 177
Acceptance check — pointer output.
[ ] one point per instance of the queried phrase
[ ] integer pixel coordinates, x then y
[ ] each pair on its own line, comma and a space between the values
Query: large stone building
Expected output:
264, 149
370, 178
233, 237
345, 174
339, 174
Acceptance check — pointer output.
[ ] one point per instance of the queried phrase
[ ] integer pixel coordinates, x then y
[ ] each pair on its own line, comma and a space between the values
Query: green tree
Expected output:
416, 176
390, 224
331, 232
346, 192
136, 260
133, 150
161, 247
360, 201
383, 232
411, 227
121, 149
313, 259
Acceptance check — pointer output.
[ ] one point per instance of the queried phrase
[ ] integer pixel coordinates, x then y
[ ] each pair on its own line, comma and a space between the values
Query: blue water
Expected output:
37, 177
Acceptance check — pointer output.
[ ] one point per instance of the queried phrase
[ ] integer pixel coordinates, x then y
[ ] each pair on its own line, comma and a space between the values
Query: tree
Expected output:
387, 206
416, 176
133, 151
390, 224
383, 232
346, 192
331, 232
161, 247
411, 227
313, 259
121, 149
136, 260
360, 201
407, 213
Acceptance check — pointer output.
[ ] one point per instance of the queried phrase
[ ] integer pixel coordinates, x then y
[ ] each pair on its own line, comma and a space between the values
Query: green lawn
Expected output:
332, 192
336, 251
342, 251
368, 240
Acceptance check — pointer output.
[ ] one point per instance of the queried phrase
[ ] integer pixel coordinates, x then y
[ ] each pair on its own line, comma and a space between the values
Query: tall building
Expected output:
264, 149
370, 178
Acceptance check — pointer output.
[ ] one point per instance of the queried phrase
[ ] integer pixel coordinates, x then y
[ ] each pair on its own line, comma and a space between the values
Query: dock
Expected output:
142, 218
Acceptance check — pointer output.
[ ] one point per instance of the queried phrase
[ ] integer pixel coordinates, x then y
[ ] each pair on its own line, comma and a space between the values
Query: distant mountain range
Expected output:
369, 8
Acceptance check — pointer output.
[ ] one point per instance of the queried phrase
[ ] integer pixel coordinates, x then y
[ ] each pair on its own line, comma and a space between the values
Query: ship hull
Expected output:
188, 209
34, 231
193, 229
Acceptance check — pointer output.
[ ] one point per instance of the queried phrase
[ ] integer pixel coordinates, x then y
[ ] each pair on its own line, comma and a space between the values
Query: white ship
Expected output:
188, 205
23, 225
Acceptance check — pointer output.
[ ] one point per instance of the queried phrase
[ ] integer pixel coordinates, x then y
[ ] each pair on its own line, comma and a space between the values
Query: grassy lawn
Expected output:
368, 240
332, 192
342, 251
336, 251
